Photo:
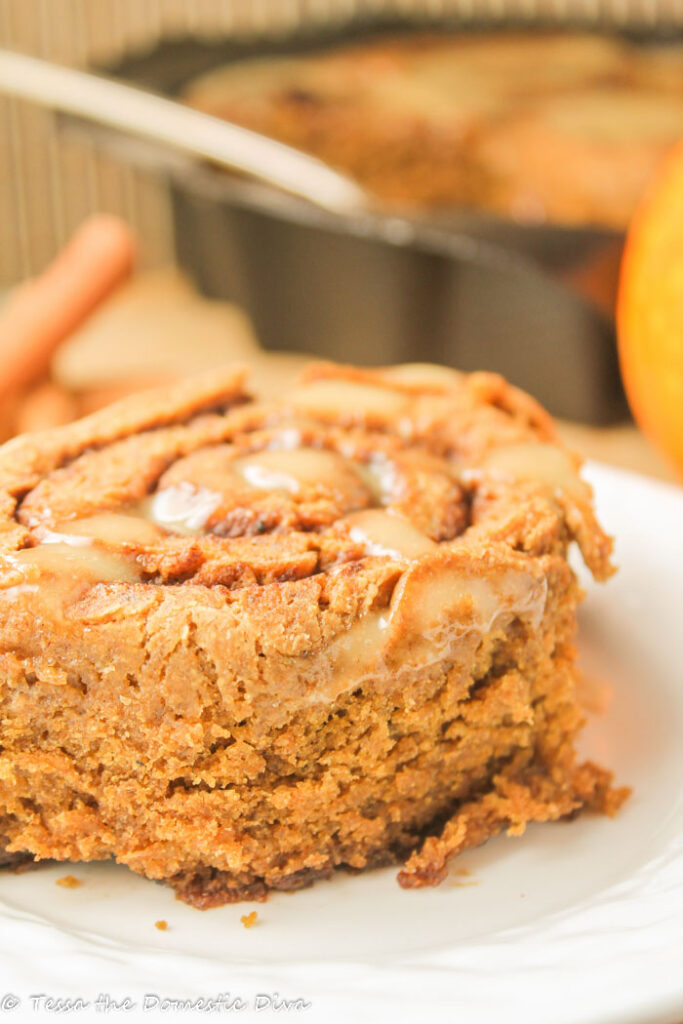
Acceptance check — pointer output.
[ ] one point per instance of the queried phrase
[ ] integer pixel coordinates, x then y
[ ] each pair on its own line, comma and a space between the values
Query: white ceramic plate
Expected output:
579, 922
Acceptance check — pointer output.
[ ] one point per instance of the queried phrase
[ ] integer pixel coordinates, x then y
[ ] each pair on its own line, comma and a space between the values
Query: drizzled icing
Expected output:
537, 462
380, 478
76, 554
381, 533
357, 650
87, 562
436, 608
292, 470
186, 508
181, 508
431, 598
111, 528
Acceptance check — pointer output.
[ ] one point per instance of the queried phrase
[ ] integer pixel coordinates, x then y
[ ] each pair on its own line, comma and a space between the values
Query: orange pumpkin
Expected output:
650, 311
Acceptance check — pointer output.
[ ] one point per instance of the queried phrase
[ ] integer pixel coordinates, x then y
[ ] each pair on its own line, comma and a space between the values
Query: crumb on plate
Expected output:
69, 882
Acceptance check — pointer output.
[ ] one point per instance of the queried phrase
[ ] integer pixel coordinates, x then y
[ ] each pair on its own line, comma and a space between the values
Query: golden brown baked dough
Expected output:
537, 126
243, 644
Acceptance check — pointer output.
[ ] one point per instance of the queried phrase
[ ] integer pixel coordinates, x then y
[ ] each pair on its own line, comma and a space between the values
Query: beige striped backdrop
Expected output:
49, 182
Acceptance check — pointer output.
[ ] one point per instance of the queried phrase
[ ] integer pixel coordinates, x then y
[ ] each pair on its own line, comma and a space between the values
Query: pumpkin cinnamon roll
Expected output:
243, 644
